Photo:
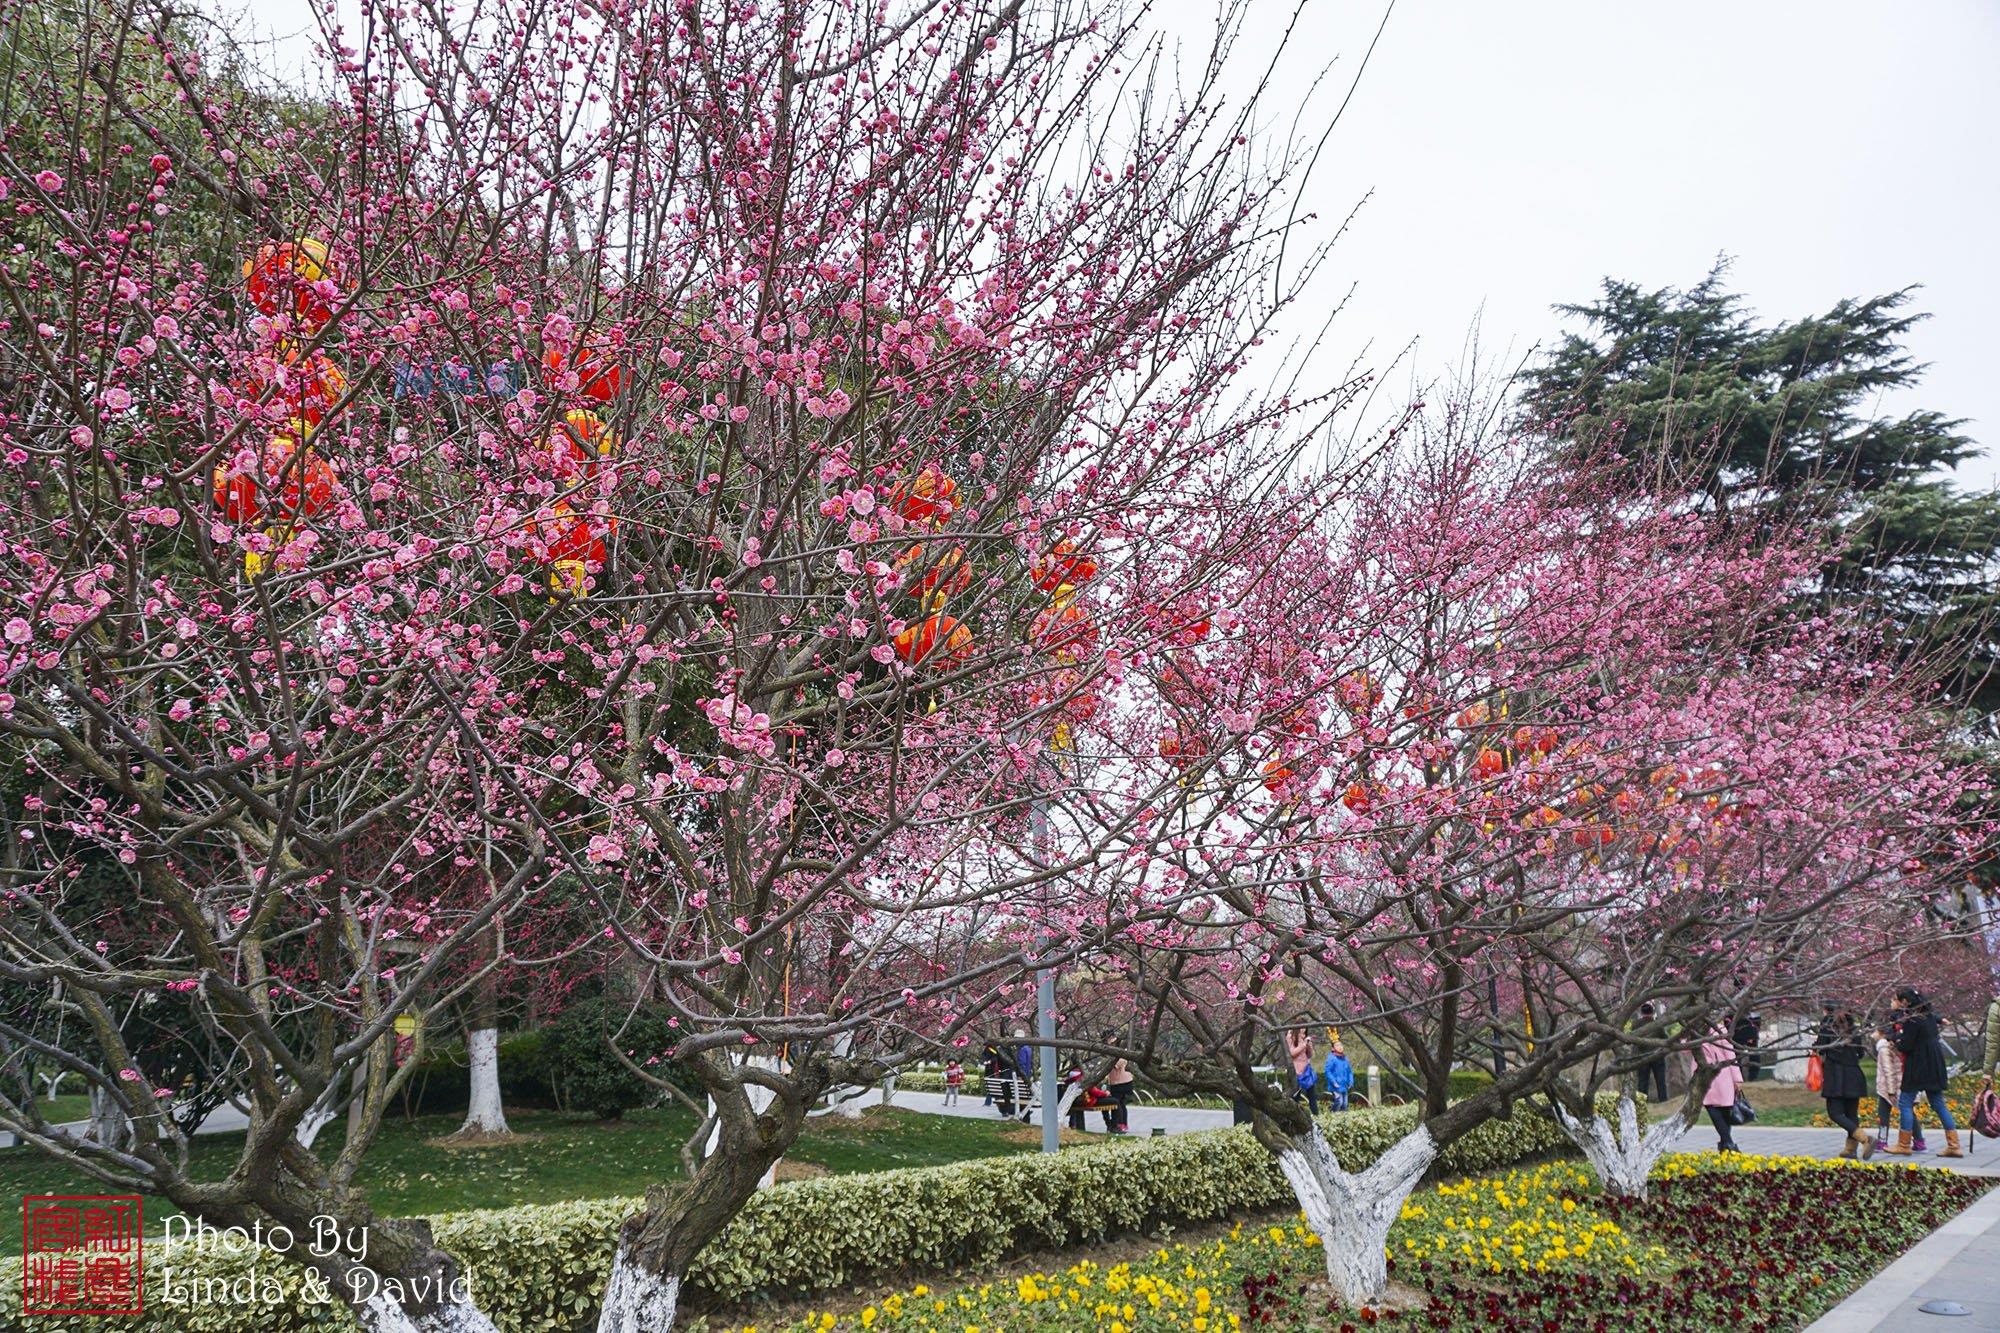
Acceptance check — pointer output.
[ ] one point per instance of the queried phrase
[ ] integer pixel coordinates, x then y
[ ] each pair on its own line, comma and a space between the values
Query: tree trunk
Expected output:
380, 1314
482, 1052
109, 1125
1623, 1157
656, 1247
390, 1271
759, 1097
1352, 1211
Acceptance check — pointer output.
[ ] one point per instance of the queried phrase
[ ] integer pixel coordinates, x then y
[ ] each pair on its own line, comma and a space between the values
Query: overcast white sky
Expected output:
1516, 151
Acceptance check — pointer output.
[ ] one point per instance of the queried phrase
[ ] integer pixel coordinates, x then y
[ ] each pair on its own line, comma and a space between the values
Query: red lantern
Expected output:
1356, 798
1066, 631
304, 485
286, 273
1064, 566
1183, 748
946, 575
596, 377
1358, 692
920, 640
306, 389
571, 545
575, 446
1490, 762
1276, 774
1185, 682
926, 497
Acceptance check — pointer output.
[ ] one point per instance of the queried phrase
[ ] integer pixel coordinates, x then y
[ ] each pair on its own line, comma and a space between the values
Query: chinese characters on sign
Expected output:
80, 1254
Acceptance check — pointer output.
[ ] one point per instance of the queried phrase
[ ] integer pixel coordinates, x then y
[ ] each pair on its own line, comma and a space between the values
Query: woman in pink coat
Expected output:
1719, 1053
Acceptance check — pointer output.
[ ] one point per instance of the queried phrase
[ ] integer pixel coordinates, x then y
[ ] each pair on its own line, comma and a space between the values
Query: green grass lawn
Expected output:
559, 1157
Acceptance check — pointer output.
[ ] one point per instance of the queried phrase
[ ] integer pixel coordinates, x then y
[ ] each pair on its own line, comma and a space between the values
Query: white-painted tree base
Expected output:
382, 1315
637, 1301
1623, 1157
484, 1114
1353, 1211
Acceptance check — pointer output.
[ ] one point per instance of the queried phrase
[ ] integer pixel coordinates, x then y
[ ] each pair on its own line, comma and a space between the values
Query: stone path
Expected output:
1144, 1119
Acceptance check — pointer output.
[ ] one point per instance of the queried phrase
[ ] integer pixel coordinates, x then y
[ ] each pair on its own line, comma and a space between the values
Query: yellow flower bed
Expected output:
1520, 1231
1524, 1221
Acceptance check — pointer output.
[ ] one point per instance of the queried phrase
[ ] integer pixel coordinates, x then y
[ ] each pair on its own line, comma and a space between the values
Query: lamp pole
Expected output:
1045, 1003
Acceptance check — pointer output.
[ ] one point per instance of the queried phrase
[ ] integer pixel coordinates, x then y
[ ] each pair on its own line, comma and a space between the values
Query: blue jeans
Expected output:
1906, 1101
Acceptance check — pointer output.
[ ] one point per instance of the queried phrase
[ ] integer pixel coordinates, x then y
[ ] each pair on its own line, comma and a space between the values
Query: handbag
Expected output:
1815, 1072
1743, 1112
1986, 1113
1306, 1079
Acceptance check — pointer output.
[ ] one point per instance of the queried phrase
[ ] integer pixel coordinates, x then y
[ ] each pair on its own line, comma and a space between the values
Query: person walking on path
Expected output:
1888, 1085
1923, 1071
954, 1079
1024, 1074
1992, 1038
989, 1073
1299, 1045
1719, 1053
1119, 1081
1839, 1048
1339, 1077
1652, 1074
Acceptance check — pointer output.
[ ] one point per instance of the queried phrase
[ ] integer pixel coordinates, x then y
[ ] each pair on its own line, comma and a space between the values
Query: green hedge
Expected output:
541, 1269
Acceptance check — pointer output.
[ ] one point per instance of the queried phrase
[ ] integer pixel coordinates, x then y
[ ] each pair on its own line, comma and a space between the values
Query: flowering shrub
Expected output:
1532, 1249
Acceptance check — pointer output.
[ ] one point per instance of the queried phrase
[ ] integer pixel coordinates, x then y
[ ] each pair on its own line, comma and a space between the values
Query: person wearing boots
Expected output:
1838, 1045
1923, 1071
1992, 1038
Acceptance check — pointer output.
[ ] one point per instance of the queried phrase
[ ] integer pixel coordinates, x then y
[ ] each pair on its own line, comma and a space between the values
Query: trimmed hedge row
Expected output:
542, 1268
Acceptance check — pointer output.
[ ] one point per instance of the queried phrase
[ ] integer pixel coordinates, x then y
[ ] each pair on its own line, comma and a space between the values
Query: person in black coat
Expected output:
1838, 1045
1916, 1034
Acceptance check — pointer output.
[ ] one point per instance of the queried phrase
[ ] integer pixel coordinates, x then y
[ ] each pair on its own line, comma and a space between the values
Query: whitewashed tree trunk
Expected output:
484, 1114
325, 1110
109, 1125
1353, 1211
889, 1091
1623, 1157
380, 1314
759, 1098
637, 1301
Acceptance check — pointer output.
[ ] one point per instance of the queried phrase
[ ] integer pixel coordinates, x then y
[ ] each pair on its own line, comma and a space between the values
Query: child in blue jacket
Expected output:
1339, 1077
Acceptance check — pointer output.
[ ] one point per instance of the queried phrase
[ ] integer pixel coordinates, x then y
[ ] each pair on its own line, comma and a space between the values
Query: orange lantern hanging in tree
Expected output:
942, 577
1066, 631
917, 642
597, 378
572, 546
284, 277
577, 444
1276, 774
304, 387
283, 484
925, 498
1063, 567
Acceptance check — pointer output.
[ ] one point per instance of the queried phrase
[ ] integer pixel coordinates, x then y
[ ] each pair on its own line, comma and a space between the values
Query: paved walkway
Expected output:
1982, 1155
1144, 1119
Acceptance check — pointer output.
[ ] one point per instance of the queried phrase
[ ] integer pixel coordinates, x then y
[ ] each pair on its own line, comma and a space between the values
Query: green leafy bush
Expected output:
577, 1057
542, 1269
